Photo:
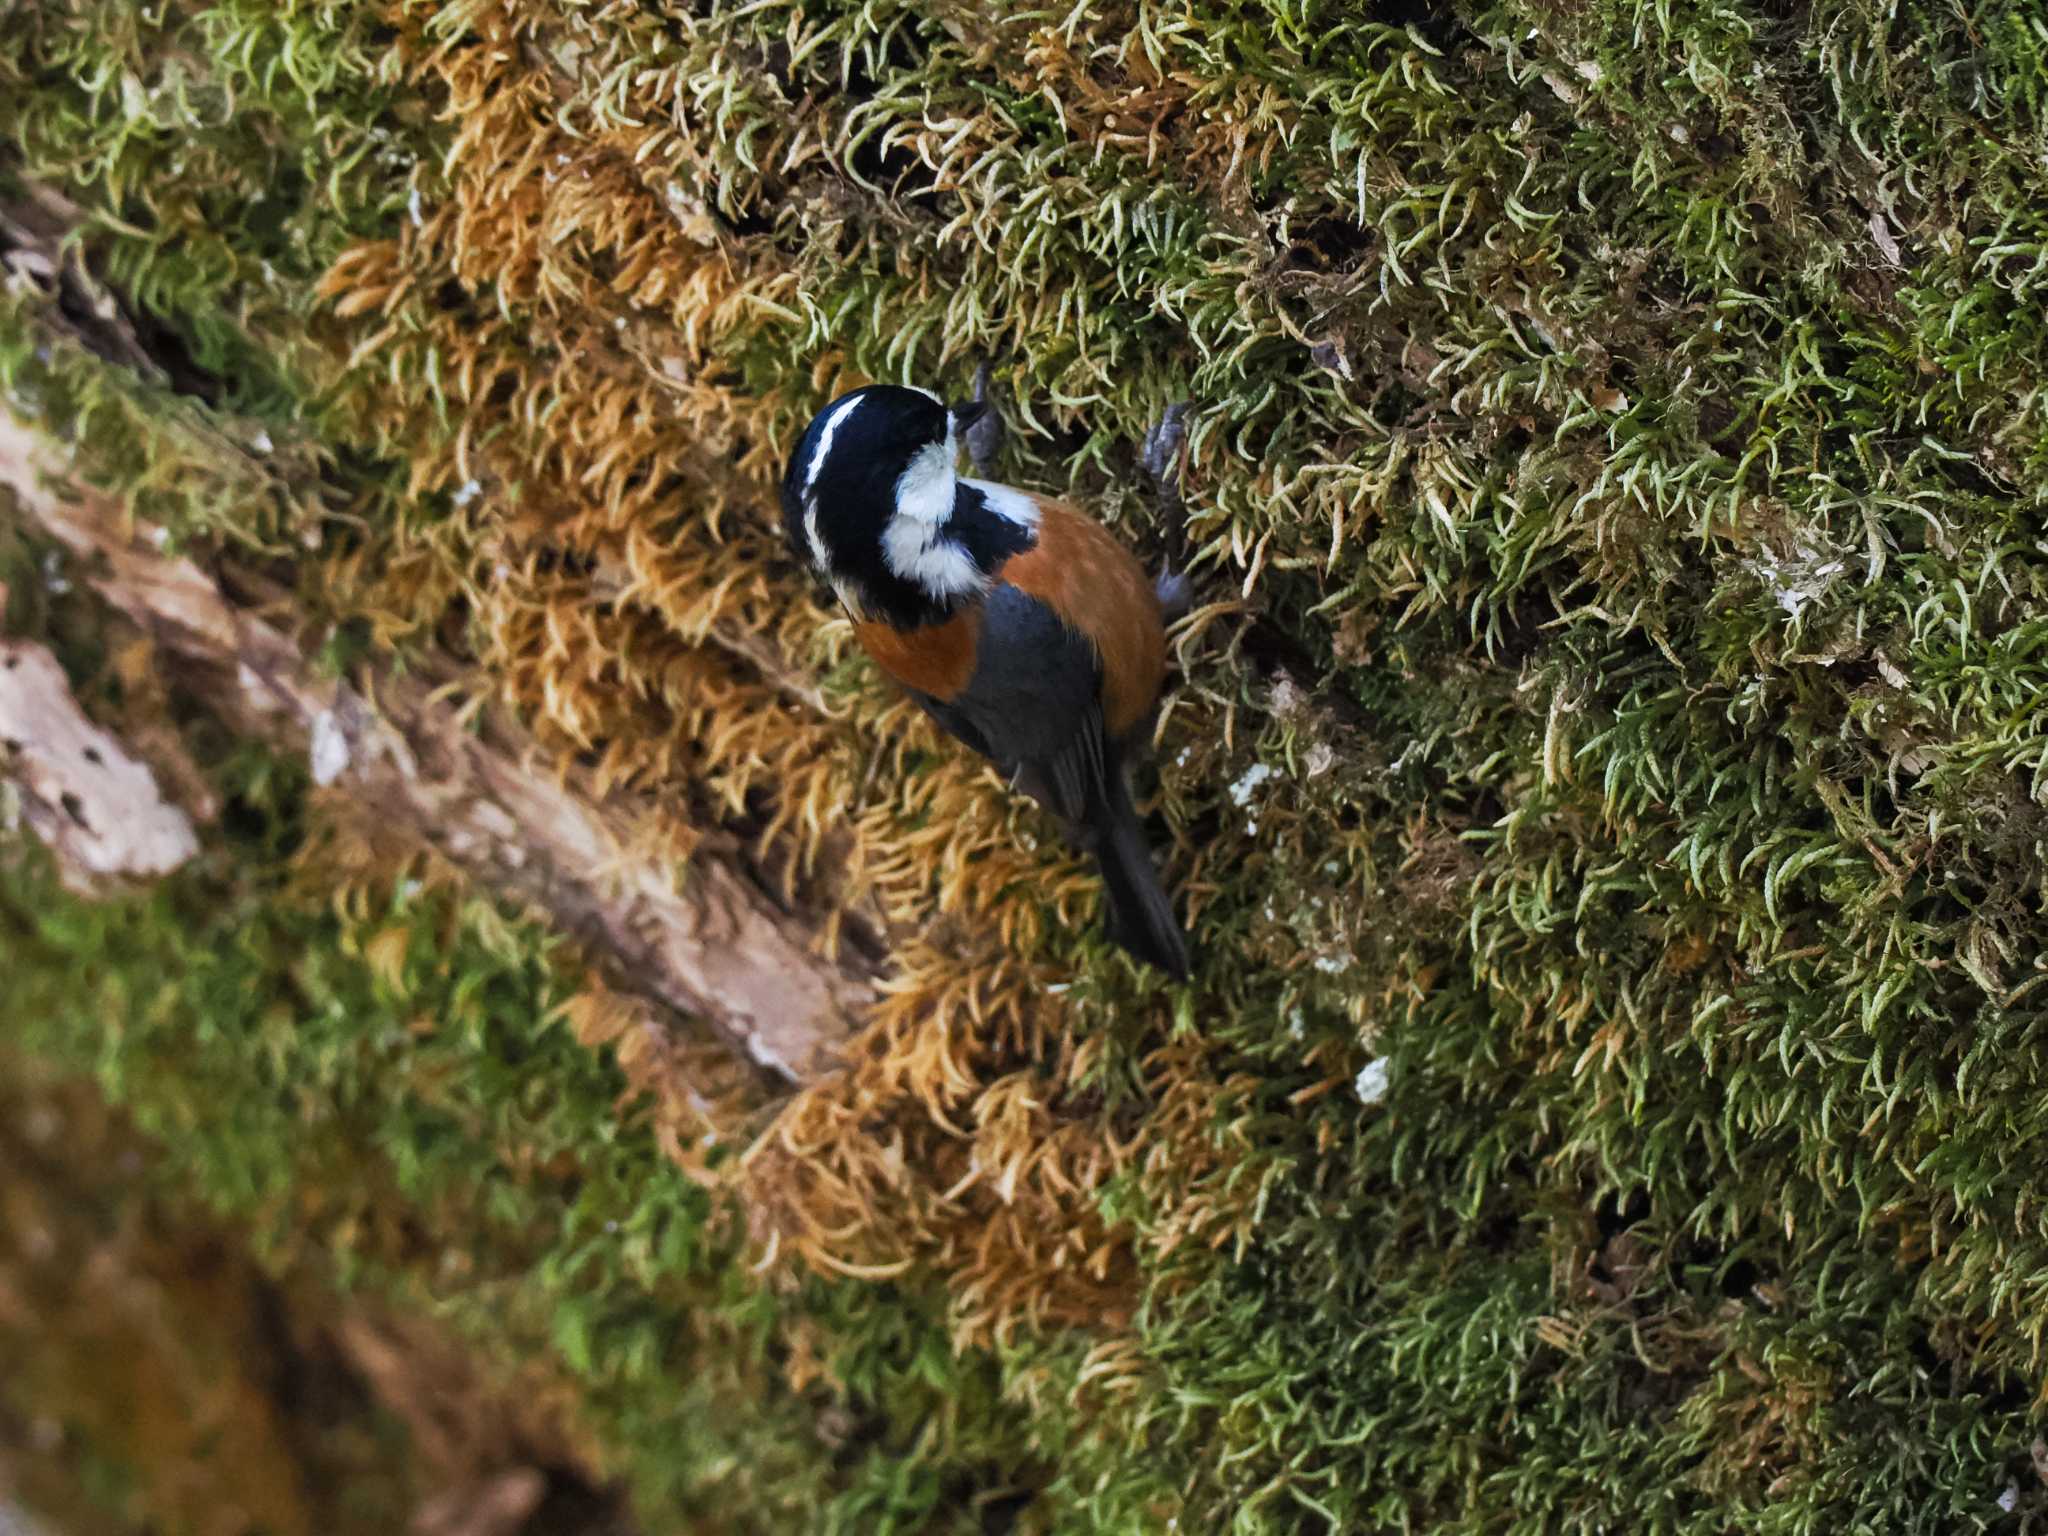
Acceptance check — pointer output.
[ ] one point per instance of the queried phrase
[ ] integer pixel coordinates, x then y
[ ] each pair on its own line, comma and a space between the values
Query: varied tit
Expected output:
1017, 622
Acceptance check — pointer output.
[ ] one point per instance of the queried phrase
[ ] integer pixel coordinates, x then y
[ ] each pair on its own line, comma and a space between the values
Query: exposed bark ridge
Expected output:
81, 790
706, 943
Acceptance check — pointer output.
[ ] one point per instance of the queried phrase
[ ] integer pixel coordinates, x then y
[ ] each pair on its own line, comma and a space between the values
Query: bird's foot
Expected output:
1163, 455
985, 437
1176, 593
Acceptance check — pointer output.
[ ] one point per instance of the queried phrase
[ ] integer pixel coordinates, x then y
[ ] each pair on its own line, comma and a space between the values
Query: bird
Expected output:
1015, 621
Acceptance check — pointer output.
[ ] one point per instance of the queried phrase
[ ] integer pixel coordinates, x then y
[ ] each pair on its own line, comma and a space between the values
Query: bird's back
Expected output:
1100, 591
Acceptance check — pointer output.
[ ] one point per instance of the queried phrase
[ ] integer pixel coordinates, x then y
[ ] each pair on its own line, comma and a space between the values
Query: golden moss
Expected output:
605, 487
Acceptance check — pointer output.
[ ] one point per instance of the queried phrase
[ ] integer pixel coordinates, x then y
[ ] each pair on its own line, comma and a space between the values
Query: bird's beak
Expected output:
966, 414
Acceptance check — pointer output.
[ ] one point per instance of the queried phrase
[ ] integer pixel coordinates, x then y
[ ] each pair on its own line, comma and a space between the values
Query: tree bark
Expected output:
91, 800
703, 942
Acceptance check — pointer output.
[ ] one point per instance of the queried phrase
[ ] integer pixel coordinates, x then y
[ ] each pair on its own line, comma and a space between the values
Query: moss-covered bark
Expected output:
393, 1101
1604, 776
154, 1378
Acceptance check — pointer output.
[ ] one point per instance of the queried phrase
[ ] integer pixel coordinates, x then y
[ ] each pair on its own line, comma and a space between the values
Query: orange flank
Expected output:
1097, 586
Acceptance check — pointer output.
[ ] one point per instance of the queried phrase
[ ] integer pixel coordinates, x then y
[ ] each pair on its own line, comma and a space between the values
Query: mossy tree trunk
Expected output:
1604, 771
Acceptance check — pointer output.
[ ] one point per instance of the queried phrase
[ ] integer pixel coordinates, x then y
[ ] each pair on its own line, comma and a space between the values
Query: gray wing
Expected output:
1034, 704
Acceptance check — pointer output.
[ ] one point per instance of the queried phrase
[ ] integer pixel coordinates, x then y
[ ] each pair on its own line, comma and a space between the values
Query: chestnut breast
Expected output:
1092, 583
937, 659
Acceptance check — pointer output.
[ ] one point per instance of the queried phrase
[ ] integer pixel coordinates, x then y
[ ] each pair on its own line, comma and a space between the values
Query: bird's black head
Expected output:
870, 501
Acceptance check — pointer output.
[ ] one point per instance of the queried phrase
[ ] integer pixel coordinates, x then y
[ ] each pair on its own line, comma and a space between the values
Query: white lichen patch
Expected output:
1250, 780
1371, 1082
1800, 578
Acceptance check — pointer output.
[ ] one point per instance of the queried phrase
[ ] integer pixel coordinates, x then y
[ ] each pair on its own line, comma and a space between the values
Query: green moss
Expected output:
150, 1377
1625, 424
419, 1123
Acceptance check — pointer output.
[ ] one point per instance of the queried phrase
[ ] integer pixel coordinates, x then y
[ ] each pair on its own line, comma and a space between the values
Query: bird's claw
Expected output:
985, 437
1176, 593
1163, 454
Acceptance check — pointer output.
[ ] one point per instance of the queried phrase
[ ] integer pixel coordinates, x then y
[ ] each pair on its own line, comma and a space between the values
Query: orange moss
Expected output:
604, 531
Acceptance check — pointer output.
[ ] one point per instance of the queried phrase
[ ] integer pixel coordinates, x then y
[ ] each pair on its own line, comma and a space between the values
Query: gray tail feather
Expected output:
1139, 918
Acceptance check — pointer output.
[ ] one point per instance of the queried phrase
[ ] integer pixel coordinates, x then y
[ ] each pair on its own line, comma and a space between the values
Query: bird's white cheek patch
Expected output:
925, 490
921, 553
914, 542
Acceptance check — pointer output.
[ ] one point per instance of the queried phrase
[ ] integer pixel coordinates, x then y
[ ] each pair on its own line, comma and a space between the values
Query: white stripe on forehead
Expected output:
840, 412
819, 552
